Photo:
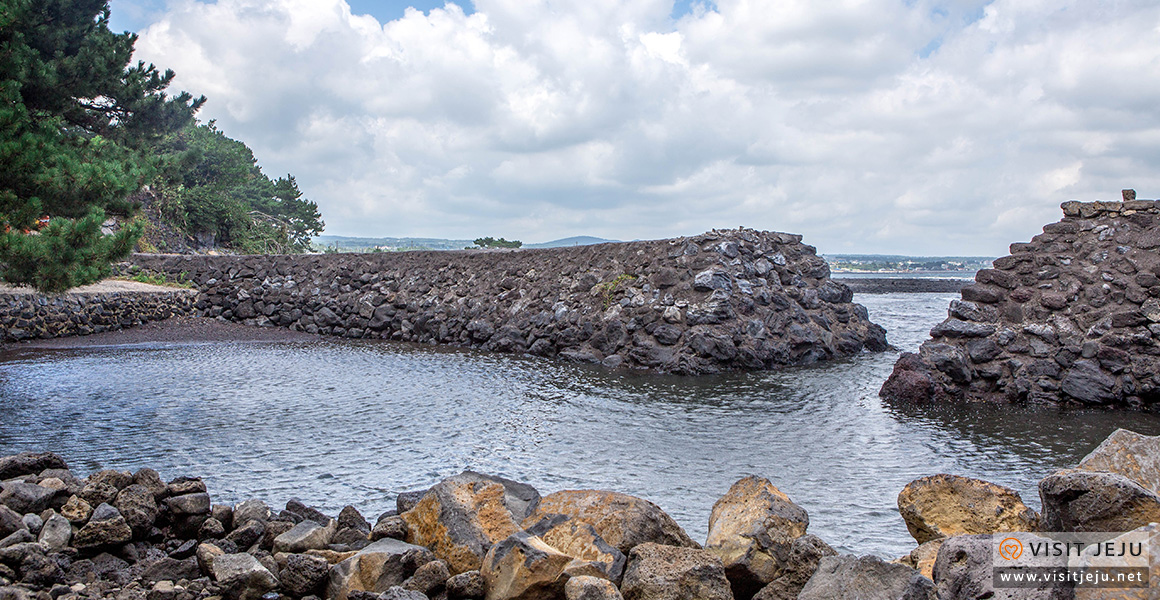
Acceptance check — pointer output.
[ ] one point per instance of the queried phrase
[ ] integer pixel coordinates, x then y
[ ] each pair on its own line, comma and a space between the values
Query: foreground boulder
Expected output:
461, 517
585, 587
621, 520
29, 463
137, 504
469, 584
10, 521
307, 535
1149, 537
1130, 454
1075, 500
922, 558
24, 497
303, 575
866, 578
523, 567
946, 505
242, 577
804, 555
660, 572
385, 563
752, 529
56, 533
106, 528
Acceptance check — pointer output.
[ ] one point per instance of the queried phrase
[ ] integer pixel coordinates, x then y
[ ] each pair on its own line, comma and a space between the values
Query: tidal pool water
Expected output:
335, 422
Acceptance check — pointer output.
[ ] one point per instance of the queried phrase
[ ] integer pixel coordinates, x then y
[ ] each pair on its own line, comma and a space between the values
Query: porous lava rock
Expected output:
947, 505
461, 517
659, 572
722, 300
1070, 318
1130, 454
622, 520
752, 529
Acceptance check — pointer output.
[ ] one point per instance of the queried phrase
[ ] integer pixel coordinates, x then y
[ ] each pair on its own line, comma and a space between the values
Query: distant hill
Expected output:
368, 244
576, 240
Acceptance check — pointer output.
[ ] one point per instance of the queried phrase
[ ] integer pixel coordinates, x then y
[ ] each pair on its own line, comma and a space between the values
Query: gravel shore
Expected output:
177, 329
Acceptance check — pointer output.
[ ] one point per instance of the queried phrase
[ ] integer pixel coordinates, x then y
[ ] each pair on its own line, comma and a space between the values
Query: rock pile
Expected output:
1113, 489
25, 315
1073, 317
130, 536
731, 299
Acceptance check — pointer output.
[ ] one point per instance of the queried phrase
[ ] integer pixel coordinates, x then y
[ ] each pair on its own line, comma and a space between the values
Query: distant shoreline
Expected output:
904, 274
889, 285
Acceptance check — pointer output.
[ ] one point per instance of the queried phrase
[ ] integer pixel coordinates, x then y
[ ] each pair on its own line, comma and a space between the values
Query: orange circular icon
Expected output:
1011, 548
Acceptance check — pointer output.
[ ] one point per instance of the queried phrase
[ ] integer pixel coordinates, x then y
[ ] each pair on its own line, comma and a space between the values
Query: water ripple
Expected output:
336, 422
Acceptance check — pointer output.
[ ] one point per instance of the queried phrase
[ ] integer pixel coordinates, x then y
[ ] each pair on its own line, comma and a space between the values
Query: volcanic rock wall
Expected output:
1072, 317
734, 299
25, 315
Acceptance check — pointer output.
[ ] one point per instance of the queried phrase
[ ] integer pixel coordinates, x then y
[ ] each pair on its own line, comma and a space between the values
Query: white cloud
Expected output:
923, 126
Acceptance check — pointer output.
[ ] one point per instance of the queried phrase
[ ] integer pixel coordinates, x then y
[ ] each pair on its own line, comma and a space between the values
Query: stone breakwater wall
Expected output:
734, 299
122, 535
901, 285
25, 315
1071, 317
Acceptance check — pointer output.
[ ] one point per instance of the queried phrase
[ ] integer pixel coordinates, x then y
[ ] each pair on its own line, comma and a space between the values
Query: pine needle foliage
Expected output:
77, 122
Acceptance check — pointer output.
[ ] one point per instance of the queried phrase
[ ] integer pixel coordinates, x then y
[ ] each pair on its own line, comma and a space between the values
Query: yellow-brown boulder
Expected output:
461, 517
947, 505
623, 521
523, 567
751, 529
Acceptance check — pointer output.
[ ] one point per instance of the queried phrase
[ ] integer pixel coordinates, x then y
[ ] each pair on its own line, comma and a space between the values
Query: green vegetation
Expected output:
76, 126
82, 130
608, 288
214, 190
152, 278
490, 242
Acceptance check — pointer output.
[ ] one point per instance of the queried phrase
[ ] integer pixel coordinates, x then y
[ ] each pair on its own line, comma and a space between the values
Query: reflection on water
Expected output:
337, 422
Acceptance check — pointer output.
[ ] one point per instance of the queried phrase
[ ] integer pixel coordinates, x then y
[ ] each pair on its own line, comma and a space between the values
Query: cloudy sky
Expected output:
870, 126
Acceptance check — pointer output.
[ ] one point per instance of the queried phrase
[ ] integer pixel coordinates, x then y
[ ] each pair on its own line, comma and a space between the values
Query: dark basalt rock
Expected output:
666, 305
1075, 500
29, 463
865, 578
1072, 318
30, 316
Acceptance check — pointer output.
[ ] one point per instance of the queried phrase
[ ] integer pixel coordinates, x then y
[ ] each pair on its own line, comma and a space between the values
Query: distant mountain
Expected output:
576, 240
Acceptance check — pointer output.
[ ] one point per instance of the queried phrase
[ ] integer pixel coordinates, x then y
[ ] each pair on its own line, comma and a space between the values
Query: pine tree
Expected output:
213, 188
76, 122
300, 214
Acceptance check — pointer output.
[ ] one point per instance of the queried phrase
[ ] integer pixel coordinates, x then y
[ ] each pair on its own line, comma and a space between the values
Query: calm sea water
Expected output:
335, 422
